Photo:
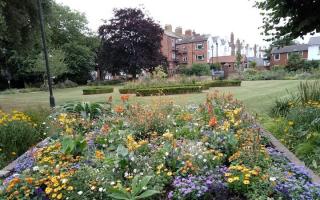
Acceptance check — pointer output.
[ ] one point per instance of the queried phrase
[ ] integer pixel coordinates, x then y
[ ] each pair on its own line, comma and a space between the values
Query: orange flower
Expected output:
119, 109
105, 128
213, 121
99, 155
125, 97
29, 180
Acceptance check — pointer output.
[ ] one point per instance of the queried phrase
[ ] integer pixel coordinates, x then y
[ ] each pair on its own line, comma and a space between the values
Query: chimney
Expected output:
178, 31
188, 33
168, 27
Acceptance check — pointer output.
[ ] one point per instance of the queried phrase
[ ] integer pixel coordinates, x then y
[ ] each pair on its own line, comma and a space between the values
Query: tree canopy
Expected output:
130, 42
289, 19
21, 47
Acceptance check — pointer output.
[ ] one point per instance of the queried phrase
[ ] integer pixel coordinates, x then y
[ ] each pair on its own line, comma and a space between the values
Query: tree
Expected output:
57, 63
130, 42
289, 19
295, 62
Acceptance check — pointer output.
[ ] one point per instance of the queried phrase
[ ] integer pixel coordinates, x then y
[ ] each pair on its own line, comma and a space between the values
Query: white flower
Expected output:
64, 180
204, 160
100, 189
144, 188
166, 153
35, 168
135, 171
112, 183
80, 193
93, 188
272, 178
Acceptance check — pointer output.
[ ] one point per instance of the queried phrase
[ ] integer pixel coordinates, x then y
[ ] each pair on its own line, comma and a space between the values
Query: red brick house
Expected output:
280, 56
168, 45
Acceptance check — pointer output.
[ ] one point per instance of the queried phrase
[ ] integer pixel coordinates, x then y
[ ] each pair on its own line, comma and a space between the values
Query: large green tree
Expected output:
130, 42
289, 19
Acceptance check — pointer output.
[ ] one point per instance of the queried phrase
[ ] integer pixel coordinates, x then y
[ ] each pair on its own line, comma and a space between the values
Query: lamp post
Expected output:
212, 54
45, 52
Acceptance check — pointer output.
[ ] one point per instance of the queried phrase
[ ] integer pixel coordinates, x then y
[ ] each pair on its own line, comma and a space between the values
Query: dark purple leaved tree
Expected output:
130, 42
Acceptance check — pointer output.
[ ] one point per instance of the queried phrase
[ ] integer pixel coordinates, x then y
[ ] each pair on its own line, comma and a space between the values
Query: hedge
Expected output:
223, 83
97, 90
168, 90
133, 90
106, 82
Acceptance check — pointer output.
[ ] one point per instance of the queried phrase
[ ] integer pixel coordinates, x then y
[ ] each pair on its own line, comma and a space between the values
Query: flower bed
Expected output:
168, 90
161, 151
97, 90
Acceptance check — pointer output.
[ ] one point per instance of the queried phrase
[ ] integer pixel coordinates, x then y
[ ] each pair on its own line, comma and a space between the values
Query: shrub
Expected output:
17, 134
168, 90
308, 91
223, 83
97, 90
85, 109
197, 70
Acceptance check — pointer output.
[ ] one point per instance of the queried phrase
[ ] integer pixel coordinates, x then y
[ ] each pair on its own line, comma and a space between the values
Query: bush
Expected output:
197, 70
168, 90
222, 83
309, 91
17, 134
97, 90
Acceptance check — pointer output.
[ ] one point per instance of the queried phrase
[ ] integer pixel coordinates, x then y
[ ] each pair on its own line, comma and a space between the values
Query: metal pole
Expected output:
45, 52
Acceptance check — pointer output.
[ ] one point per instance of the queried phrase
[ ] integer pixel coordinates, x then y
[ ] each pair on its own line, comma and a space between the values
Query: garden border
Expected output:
287, 153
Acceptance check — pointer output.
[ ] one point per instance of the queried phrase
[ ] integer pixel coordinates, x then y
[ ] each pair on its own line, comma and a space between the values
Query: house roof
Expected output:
198, 38
172, 34
259, 61
291, 48
314, 41
226, 59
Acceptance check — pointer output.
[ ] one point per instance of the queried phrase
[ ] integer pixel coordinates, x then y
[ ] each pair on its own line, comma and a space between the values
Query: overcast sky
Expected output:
215, 17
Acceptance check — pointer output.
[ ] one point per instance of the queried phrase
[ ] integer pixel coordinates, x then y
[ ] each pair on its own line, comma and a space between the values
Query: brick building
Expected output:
280, 56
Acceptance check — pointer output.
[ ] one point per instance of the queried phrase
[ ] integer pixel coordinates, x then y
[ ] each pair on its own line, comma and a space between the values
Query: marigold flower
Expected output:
125, 97
99, 155
119, 109
48, 190
246, 182
230, 180
213, 121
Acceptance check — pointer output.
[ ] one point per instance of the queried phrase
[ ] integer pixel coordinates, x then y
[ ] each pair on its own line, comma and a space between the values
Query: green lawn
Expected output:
256, 95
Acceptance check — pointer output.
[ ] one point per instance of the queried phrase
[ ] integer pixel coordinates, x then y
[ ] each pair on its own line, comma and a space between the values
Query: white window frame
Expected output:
185, 58
274, 56
173, 55
199, 44
197, 57
173, 42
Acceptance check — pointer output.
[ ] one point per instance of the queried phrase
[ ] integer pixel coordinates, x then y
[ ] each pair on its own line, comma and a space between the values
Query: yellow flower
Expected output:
246, 182
48, 190
59, 196
169, 174
230, 180
290, 123
54, 195
227, 174
236, 178
99, 155
70, 188
247, 175
168, 136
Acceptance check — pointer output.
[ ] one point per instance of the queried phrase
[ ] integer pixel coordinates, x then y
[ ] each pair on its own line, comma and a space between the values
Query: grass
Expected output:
257, 96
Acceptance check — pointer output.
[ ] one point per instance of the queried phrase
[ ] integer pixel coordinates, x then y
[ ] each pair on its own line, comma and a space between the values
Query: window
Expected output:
199, 46
318, 50
173, 42
199, 57
277, 56
173, 56
185, 58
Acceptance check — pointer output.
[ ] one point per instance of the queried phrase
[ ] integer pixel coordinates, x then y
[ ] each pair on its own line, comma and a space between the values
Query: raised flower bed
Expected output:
162, 151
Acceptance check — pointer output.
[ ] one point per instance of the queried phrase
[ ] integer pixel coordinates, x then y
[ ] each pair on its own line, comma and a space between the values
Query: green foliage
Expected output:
74, 146
168, 90
16, 137
287, 20
56, 63
196, 70
281, 107
97, 90
253, 64
309, 91
106, 82
222, 83
139, 190
159, 73
295, 62
86, 109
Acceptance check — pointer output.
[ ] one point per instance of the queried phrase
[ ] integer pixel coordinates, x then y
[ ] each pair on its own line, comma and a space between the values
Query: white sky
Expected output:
215, 17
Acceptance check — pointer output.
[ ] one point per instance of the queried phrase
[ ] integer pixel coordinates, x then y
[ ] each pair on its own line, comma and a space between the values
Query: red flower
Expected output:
213, 121
124, 97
